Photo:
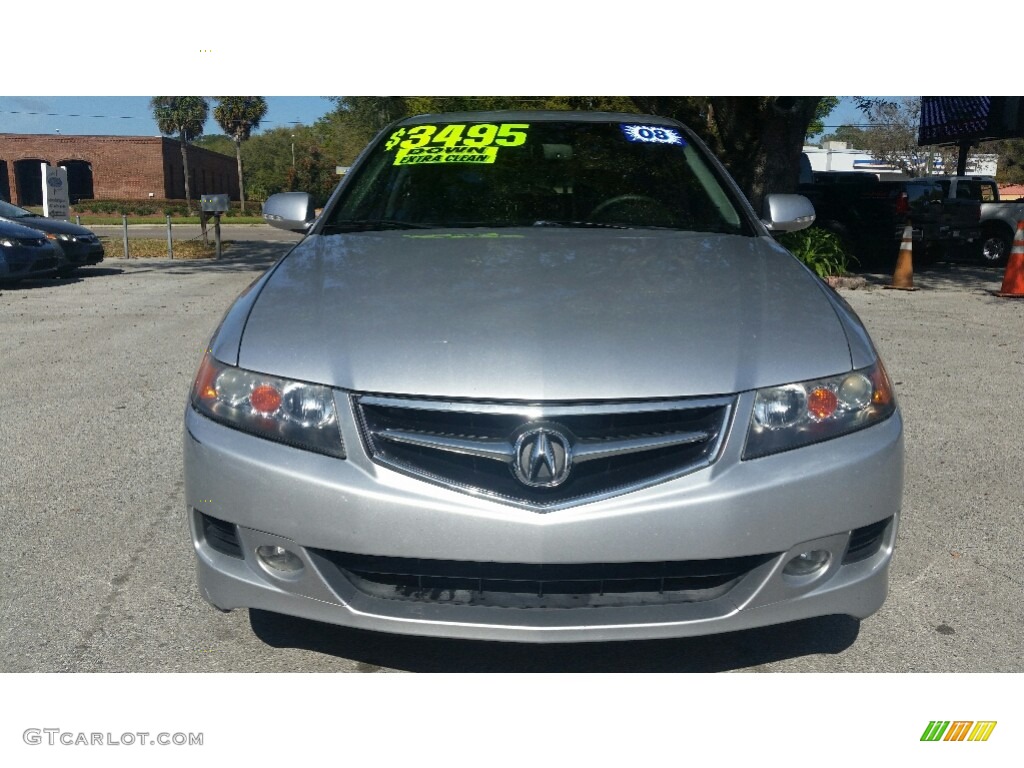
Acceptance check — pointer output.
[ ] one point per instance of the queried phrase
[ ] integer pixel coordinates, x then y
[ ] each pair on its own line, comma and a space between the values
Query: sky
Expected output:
132, 116
846, 113
129, 115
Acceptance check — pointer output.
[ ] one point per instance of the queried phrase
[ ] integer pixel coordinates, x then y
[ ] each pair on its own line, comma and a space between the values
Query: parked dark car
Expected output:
24, 253
999, 218
76, 246
869, 216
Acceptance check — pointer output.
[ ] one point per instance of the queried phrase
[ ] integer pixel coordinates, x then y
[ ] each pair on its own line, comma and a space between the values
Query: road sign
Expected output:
56, 201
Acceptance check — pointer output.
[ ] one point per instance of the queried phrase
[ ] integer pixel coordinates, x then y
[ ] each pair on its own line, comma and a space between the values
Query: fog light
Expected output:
807, 563
279, 559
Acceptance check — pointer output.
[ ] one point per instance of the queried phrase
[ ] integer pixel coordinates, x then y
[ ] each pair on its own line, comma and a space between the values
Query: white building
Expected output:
837, 156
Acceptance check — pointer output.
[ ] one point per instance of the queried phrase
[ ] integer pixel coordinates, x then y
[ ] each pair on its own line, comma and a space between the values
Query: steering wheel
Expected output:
611, 202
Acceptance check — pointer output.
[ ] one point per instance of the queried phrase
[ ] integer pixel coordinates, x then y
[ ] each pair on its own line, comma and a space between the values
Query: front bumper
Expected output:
26, 263
80, 254
775, 507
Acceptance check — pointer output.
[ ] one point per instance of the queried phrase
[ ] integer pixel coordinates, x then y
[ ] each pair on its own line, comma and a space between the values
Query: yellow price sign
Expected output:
438, 155
455, 135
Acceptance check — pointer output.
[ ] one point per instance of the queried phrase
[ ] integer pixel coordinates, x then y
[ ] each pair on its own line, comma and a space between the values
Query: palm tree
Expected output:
239, 116
184, 117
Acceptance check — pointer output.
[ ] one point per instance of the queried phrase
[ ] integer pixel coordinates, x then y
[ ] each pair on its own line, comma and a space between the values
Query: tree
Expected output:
851, 134
216, 142
370, 113
758, 138
892, 134
185, 117
267, 159
318, 151
239, 116
823, 110
1011, 160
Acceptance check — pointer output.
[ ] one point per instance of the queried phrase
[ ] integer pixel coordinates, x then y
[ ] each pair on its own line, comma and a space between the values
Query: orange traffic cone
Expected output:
1013, 279
903, 277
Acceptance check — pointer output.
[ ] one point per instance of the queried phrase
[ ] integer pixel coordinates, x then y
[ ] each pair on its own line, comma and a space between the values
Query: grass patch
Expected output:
147, 248
153, 212
89, 221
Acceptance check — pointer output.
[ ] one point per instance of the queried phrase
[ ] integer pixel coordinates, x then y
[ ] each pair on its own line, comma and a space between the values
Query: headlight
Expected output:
6, 242
65, 238
808, 412
291, 412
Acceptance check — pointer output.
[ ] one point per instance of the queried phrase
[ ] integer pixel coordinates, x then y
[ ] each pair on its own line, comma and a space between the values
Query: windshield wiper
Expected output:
372, 225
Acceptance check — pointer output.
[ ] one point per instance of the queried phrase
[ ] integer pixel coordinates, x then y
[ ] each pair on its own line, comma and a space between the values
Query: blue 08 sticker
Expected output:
652, 134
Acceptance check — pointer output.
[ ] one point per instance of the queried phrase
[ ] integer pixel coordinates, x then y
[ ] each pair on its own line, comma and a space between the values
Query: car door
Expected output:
927, 212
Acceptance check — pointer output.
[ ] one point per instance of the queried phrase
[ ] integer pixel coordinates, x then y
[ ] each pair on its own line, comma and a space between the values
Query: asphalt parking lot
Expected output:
99, 567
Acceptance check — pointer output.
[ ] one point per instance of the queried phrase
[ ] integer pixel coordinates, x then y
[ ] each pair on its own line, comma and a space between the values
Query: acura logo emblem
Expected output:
542, 457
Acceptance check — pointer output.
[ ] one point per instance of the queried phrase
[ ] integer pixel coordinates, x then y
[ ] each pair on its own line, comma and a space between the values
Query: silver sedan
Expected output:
542, 377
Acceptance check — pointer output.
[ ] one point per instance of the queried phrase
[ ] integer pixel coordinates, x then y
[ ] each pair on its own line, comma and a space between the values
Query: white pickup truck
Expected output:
998, 217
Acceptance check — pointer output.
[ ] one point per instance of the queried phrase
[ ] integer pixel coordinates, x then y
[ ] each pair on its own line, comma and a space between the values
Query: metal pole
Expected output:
124, 221
170, 242
961, 160
78, 220
216, 232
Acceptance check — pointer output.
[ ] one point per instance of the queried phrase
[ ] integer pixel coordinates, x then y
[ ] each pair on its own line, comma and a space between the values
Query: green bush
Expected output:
820, 250
156, 207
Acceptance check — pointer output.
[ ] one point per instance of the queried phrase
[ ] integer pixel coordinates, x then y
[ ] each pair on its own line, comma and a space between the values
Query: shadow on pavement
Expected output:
947, 275
966, 276
252, 256
715, 653
48, 282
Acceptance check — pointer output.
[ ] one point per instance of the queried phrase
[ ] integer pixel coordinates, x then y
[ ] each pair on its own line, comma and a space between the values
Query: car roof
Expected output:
552, 115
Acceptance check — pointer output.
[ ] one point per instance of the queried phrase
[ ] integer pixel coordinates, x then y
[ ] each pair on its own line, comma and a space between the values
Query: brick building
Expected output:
112, 168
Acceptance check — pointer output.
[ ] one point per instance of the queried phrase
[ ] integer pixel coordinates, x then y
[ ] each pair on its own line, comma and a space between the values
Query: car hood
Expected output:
543, 314
11, 228
53, 226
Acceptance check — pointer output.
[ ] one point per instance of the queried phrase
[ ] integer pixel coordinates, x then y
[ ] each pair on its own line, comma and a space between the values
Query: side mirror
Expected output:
787, 213
292, 211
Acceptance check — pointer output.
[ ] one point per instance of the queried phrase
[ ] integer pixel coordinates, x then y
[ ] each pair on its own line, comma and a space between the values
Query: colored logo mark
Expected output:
958, 730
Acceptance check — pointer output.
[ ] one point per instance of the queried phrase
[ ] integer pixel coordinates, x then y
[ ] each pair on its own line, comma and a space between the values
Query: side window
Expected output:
967, 190
924, 192
988, 193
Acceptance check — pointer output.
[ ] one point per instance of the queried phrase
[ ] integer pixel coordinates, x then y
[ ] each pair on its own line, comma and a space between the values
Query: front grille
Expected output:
41, 264
866, 541
525, 585
474, 447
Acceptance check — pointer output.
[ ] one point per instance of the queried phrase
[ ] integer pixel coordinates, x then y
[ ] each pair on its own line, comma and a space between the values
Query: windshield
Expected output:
9, 211
544, 173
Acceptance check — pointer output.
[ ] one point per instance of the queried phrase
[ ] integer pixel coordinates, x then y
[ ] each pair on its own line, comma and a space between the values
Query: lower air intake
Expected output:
524, 585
